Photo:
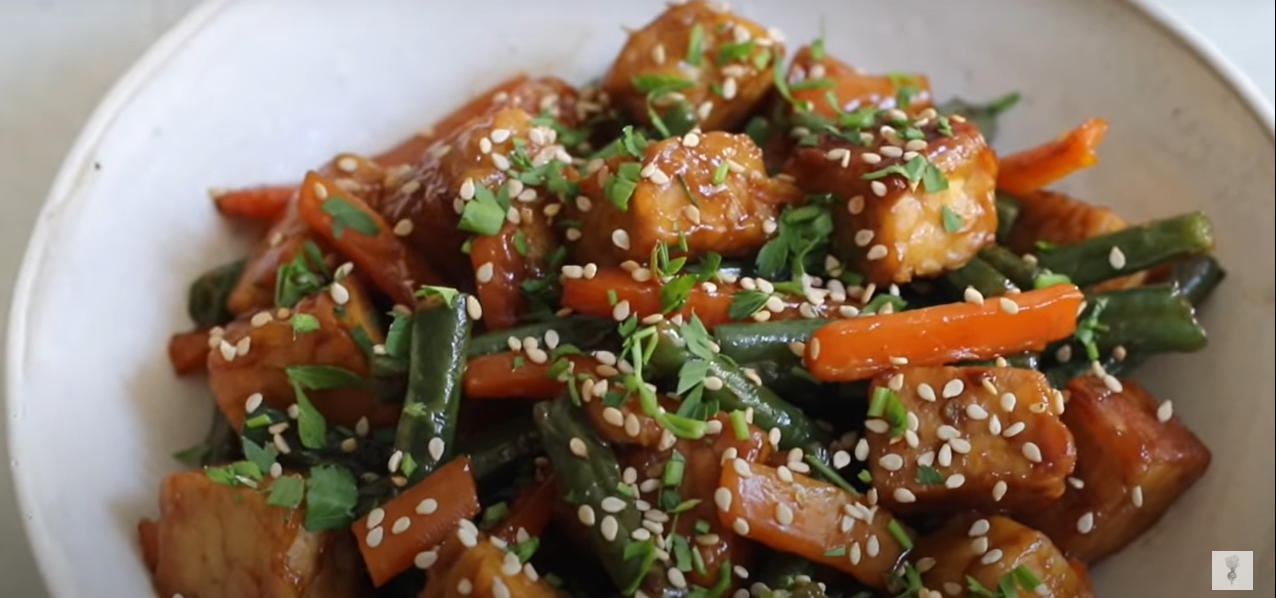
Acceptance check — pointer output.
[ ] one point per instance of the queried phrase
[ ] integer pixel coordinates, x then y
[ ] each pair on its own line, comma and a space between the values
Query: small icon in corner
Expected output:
1232, 570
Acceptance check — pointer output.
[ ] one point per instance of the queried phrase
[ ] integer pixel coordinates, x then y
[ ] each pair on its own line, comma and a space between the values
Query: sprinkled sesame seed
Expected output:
855, 205
783, 514
876, 252
473, 307
676, 578
722, 498
243, 346
926, 392
979, 545
1008, 305
620, 238
904, 495
960, 445
855, 553
374, 537
999, 490
1085, 523
1164, 412
253, 402
320, 191
891, 151
499, 589
578, 447
400, 525
994, 425
861, 449
704, 110
513, 216
1136, 496
435, 447
537, 355
485, 145
740, 526
877, 426
837, 154
925, 564
396, 459
1008, 401
484, 273
814, 348
1116, 258
427, 506
879, 188
863, 237
376, 517
991, 556
979, 528
362, 427
620, 311
946, 432
464, 587
891, 462
926, 459
276, 469
227, 350
349, 445
425, 559
1112, 383
952, 588
916, 145
611, 504
954, 481
953, 388
1013, 429
729, 88
976, 411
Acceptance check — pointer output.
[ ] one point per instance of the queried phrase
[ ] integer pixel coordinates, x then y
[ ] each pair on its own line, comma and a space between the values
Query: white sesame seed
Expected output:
841, 459
1008, 401
855, 205
1116, 258
855, 553
876, 252
578, 448
1164, 412
435, 447
994, 425
362, 427
954, 481
870, 157
400, 525
609, 528
722, 498
960, 445
611, 504
783, 514
427, 506
861, 449
243, 346
878, 188
253, 402
891, 462
999, 490
729, 88
713, 383
976, 411
904, 495
1013, 430
464, 587
620, 311
425, 559
1085, 523
979, 528
837, 154
740, 526
585, 514
863, 237
227, 350
499, 589
952, 588
1076, 482
1136, 496
620, 238
979, 545
513, 216
814, 348
467, 189
396, 459
946, 432
376, 517
614, 416
374, 537
484, 273
473, 307
877, 426
891, 151
537, 355
953, 388
925, 392
276, 470
991, 556
1008, 305
676, 578
1112, 383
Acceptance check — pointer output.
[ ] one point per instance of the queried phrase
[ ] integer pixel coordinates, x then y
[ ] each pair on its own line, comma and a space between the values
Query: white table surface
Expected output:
58, 57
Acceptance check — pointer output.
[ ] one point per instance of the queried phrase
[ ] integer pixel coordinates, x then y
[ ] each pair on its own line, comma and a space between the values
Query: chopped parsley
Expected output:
914, 170
485, 214
620, 186
1007, 586
304, 323
300, 277
800, 242
746, 303
734, 52
312, 428
346, 215
286, 492
1089, 327
983, 116
1046, 278
322, 377
398, 340
262, 457
929, 476
656, 86
952, 220
695, 45
331, 495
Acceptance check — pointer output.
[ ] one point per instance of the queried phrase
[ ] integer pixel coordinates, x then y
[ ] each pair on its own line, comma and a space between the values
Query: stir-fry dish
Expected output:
720, 324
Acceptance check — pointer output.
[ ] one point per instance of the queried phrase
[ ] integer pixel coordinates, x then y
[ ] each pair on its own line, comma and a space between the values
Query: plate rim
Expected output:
56, 575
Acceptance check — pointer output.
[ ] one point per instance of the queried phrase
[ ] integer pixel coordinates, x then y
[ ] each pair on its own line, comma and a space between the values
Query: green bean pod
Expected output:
498, 448
440, 333
206, 298
1007, 213
1197, 278
982, 276
588, 474
1147, 320
1130, 250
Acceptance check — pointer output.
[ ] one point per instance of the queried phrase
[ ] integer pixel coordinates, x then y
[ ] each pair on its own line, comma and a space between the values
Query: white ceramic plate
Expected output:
248, 92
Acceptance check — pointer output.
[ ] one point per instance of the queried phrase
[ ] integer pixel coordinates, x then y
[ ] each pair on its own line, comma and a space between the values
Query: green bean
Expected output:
206, 299
1007, 213
582, 331
498, 448
1060, 373
764, 341
1146, 320
978, 273
1132, 249
1196, 278
738, 392
1019, 271
588, 473
440, 333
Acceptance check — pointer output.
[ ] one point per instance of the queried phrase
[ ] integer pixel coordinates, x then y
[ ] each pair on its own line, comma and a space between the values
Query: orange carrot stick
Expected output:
813, 525
531, 511
364, 237
479, 570
592, 297
265, 203
425, 515
1038, 167
188, 352
512, 375
858, 348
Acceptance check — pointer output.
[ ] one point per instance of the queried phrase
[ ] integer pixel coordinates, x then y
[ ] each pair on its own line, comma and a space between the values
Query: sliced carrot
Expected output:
148, 539
265, 203
1038, 167
531, 511
858, 348
479, 567
454, 497
386, 261
593, 297
512, 375
813, 520
188, 352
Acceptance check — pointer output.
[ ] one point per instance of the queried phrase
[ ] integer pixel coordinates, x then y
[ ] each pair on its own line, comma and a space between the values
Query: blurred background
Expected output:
59, 57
